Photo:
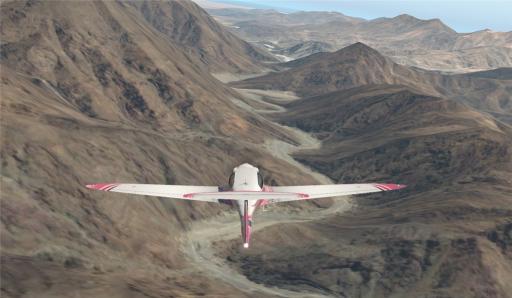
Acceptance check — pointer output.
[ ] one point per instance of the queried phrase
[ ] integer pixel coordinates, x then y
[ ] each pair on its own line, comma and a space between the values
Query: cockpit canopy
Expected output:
232, 180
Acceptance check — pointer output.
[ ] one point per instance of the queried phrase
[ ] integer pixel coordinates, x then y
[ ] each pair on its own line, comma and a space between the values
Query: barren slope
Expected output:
358, 65
188, 25
91, 92
448, 234
407, 40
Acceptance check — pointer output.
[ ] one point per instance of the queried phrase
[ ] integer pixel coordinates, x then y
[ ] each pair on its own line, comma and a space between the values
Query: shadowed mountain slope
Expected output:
190, 26
450, 225
381, 115
504, 73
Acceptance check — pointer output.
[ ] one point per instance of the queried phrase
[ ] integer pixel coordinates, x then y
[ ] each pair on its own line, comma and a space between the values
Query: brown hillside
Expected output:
191, 27
359, 65
91, 92
447, 234
428, 44
123, 92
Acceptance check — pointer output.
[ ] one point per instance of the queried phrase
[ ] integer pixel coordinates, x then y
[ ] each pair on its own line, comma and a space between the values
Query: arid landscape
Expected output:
167, 92
429, 44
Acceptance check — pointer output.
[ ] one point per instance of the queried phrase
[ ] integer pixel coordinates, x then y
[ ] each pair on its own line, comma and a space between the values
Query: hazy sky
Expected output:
462, 16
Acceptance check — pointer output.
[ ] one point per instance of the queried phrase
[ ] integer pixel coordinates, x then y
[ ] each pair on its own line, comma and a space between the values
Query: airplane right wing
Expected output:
333, 190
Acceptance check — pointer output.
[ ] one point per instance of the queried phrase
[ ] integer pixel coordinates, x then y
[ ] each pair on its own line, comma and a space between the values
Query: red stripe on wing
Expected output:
102, 186
386, 187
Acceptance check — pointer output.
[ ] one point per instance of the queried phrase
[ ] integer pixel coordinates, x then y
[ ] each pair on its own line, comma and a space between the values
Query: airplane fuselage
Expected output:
246, 178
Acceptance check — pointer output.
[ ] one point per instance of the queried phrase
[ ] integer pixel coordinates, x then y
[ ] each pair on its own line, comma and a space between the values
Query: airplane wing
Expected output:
269, 194
160, 190
333, 190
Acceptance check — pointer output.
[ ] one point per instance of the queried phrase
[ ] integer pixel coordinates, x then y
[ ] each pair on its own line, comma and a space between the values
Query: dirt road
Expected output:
197, 243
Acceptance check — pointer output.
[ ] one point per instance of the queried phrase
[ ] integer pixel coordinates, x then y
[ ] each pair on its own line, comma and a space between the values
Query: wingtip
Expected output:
387, 187
102, 186
94, 186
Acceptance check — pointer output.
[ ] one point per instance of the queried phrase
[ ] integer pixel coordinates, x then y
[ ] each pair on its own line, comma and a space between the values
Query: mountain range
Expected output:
428, 44
358, 65
127, 91
380, 121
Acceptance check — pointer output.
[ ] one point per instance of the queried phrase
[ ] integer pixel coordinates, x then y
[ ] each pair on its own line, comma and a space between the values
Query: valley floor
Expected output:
199, 242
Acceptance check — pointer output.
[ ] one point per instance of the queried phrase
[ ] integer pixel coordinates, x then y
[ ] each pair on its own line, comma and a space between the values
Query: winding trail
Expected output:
197, 242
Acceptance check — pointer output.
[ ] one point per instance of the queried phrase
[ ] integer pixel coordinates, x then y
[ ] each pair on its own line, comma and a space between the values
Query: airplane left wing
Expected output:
333, 190
160, 190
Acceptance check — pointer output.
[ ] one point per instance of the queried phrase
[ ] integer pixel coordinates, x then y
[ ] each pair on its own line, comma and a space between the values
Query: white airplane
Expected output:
246, 189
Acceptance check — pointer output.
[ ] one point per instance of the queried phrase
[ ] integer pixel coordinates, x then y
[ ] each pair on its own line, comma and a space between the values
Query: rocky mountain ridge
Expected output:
429, 44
